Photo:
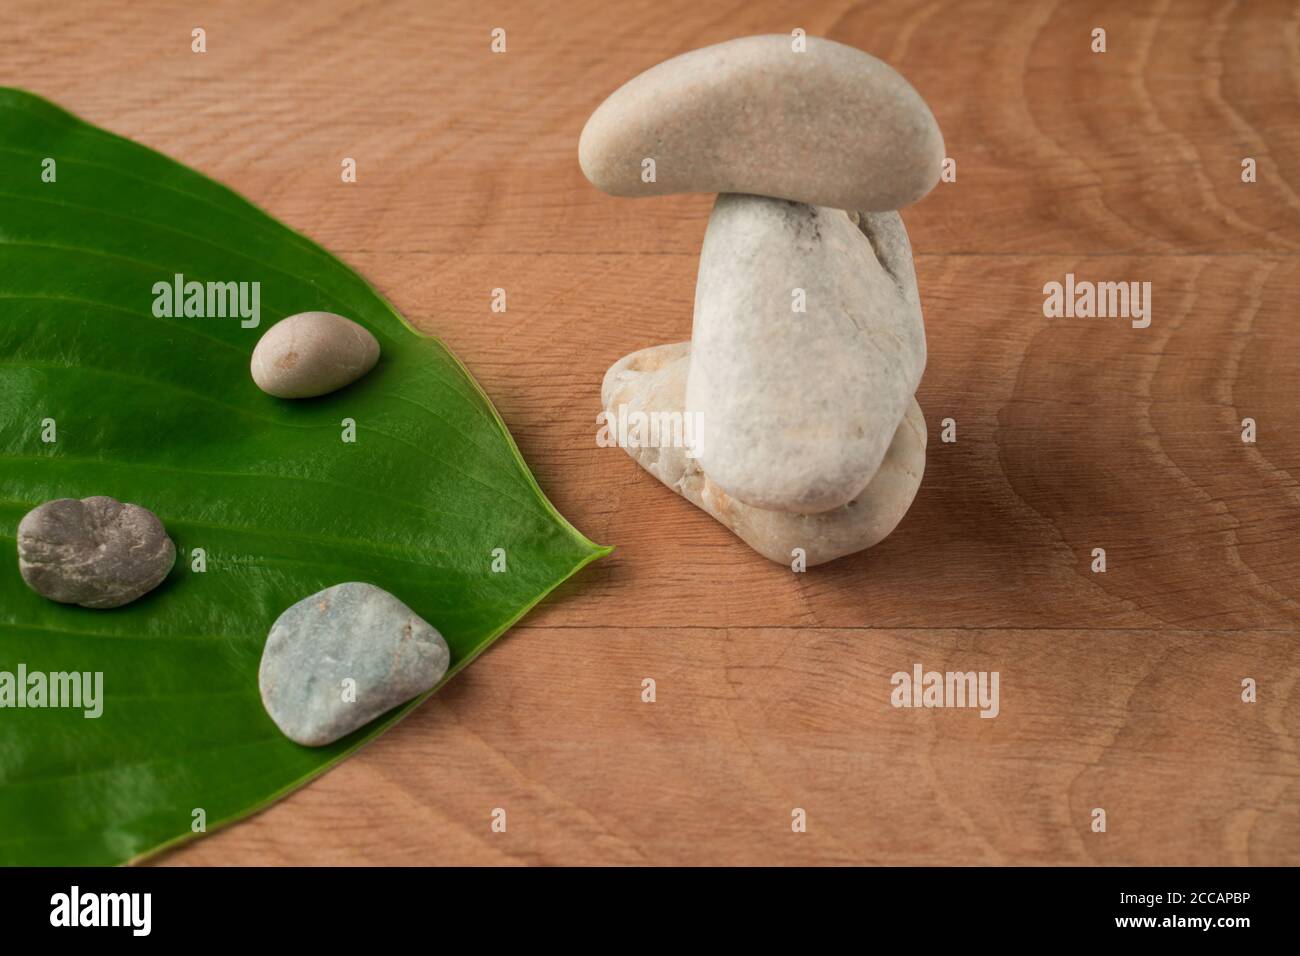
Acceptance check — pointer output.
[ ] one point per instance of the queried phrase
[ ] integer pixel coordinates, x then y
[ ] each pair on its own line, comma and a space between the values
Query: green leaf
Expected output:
163, 412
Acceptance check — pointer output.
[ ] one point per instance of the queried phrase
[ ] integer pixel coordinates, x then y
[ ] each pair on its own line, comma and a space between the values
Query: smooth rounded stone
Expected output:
654, 380
798, 409
831, 126
351, 631
312, 353
96, 552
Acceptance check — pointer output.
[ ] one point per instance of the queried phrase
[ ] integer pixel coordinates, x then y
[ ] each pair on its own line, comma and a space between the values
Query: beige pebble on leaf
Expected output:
312, 353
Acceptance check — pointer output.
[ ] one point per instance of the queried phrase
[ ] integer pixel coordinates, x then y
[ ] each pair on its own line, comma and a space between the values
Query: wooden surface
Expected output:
1118, 690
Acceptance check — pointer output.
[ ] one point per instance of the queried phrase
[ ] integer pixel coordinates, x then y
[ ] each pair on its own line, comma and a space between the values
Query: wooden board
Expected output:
1119, 690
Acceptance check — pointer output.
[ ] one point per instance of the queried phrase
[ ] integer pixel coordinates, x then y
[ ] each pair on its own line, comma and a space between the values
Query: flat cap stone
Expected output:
829, 126
338, 659
96, 552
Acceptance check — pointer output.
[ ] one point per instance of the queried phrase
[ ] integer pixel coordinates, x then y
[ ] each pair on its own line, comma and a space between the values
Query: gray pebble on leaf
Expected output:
96, 552
352, 631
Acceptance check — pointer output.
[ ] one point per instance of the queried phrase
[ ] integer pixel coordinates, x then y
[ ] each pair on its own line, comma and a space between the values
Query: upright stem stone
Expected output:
799, 406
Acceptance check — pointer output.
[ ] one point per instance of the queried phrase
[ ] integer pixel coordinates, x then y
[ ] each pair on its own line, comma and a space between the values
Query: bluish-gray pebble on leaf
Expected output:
352, 631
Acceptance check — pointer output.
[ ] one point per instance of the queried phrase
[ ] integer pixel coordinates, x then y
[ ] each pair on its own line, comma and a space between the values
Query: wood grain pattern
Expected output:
1119, 690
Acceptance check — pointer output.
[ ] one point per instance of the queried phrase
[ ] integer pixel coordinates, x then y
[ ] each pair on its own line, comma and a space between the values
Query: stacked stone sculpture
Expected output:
808, 345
